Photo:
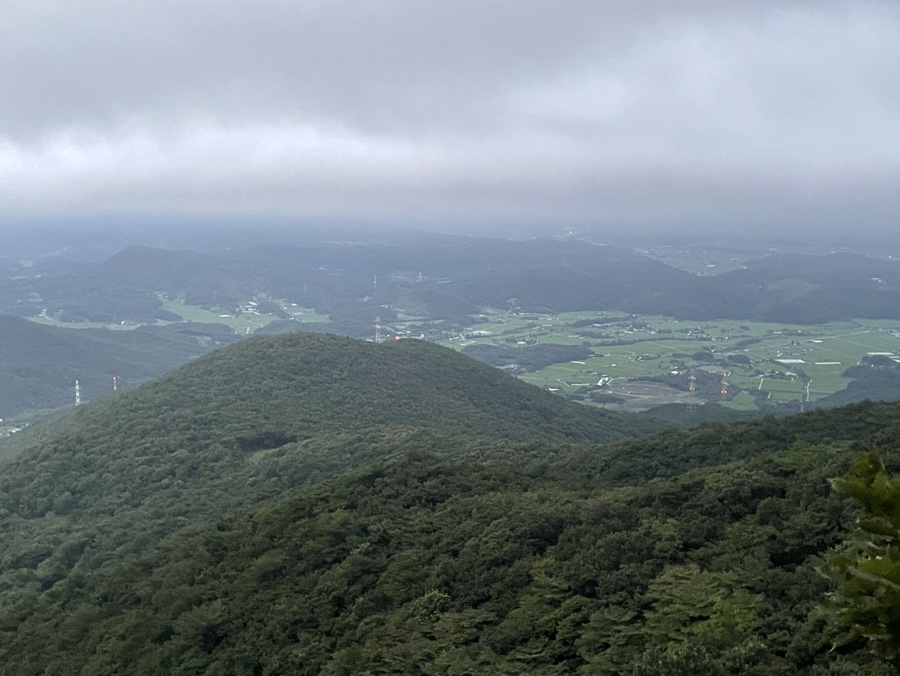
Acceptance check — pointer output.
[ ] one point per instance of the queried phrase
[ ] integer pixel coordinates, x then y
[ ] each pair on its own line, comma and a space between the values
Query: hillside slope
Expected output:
39, 364
302, 385
197, 524
248, 423
430, 568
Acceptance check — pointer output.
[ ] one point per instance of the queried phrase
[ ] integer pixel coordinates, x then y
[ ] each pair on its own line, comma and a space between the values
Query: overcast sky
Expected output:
665, 113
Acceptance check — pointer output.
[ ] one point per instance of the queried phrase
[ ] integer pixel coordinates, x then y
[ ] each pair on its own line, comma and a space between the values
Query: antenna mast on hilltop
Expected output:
115, 383
692, 388
377, 329
77, 394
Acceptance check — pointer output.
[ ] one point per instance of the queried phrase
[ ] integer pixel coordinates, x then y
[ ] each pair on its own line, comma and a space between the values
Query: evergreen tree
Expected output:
867, 574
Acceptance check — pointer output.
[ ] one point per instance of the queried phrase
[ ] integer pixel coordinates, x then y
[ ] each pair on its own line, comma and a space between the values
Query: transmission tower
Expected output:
77, 394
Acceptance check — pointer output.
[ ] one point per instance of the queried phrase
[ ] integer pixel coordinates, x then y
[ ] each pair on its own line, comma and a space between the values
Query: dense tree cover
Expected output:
859, 426
305, 385
681, 415
43, 430
867, 599
421, 567
195, 525
249, 423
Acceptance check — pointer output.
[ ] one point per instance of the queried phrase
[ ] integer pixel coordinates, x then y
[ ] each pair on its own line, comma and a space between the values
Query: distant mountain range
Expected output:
445, 279
442, 276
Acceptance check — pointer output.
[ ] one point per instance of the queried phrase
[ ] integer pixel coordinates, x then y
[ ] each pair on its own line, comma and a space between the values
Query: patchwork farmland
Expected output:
637, 362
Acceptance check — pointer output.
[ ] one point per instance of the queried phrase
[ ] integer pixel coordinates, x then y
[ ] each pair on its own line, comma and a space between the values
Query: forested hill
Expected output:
305, 504
302, 385
39, 364
428, 567
249, 422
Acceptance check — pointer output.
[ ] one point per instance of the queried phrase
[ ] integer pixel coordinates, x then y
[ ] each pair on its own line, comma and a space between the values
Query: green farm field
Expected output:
751, 361
243, 323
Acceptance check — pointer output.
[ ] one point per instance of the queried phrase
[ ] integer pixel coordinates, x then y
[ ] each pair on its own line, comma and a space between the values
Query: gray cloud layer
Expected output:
663, 112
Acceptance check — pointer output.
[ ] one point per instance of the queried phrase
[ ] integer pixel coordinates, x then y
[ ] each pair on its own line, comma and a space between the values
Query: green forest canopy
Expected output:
261, 511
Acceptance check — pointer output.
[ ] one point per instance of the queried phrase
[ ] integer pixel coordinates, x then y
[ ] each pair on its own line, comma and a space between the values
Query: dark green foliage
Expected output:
681, 415
477, 568
309, 384
678, 451
877, 380
868, 575
307, 504
249, 423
